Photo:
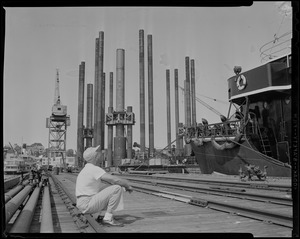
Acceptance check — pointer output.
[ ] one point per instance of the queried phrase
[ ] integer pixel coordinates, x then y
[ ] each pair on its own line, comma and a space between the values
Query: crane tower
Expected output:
57, 124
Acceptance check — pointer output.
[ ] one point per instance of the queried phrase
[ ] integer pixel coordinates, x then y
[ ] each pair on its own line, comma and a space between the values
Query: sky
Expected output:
40, 40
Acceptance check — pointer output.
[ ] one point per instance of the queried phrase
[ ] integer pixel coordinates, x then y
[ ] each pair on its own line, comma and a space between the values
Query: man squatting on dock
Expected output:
94, 194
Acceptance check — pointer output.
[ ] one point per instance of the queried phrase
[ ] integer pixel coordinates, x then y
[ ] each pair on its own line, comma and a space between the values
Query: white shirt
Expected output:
89, 180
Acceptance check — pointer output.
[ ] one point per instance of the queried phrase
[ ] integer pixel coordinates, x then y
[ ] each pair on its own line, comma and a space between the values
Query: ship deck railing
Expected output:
226, 129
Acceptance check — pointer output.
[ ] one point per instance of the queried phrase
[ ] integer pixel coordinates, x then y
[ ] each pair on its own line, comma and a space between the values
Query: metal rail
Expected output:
229, 192
256, 185
258, 214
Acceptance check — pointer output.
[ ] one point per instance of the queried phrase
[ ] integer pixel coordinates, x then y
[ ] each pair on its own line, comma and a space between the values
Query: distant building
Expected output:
35, 149
57, 161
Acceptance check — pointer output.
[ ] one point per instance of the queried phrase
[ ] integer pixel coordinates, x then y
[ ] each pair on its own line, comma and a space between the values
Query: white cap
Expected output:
90, 153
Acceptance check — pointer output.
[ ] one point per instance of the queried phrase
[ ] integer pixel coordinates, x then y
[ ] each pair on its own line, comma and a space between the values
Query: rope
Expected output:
259, 153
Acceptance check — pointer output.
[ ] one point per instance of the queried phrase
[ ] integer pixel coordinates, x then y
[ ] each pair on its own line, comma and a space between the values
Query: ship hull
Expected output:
230, 161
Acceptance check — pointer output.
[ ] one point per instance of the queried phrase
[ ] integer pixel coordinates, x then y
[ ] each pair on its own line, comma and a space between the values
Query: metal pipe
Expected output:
142, 91
188, 91
46, 221
23, 222
80, 139
9, 195
95, 134
193, 90
12, 206
185, 102
111, 89
89, 113
168, 109
10, 183
180, 125
176, 111
109, 140
100, 122
150, 96
103, 112
119, 140
110, 127
99, 117
129, 136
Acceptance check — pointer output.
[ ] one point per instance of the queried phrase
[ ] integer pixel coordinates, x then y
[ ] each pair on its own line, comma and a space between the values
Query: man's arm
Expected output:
116, 180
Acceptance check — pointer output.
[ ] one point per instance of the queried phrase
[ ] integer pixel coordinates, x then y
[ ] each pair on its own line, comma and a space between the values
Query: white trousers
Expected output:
109, 199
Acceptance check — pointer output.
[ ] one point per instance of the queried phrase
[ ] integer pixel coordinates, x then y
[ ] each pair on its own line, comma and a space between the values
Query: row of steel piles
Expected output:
179, 139
190, 98
189, 106
95, 133
142, 95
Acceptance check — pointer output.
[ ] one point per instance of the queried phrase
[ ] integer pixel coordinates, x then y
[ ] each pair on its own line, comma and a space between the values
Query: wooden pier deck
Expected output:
144, 213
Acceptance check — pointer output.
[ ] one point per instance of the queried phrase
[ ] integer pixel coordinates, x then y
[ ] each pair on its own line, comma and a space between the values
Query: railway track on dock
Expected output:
232, 197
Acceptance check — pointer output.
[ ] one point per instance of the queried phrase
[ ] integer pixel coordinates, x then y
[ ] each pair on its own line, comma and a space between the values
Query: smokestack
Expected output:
168, 109
110, 127
150, 97
89, 115
120, 140
142, 92
80, 139
95, 134
194, 120
176, 112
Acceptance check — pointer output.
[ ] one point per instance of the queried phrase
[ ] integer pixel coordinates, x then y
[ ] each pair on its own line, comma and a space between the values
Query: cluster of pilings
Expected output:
93, 134
120, 147
189, 106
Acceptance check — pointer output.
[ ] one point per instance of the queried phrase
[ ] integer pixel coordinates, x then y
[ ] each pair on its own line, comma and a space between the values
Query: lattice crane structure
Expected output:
57, 124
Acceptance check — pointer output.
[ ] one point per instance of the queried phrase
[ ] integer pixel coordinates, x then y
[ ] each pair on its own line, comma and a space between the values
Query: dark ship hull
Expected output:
258, 133
232, 161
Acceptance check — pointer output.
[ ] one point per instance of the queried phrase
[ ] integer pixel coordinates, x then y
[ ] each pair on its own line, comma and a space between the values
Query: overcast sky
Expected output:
40, 40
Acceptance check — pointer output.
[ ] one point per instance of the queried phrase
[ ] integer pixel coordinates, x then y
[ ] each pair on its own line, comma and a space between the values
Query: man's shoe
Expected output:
112, 222
99, 218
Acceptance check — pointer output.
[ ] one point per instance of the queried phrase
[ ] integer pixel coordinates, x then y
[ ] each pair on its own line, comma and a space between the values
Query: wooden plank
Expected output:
147, 213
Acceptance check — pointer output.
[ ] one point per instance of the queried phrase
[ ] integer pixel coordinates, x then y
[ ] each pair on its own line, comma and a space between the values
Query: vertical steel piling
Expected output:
110, 127
176, 111
95, 134
119, 140
80, 138
168, 109
142, 91
150, 96
193, 90
89, 115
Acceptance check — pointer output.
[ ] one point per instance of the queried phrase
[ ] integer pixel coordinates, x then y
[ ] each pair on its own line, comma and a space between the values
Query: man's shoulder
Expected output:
91, 167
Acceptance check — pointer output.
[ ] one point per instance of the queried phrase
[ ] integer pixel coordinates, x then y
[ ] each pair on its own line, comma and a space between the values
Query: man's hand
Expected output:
129, 189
